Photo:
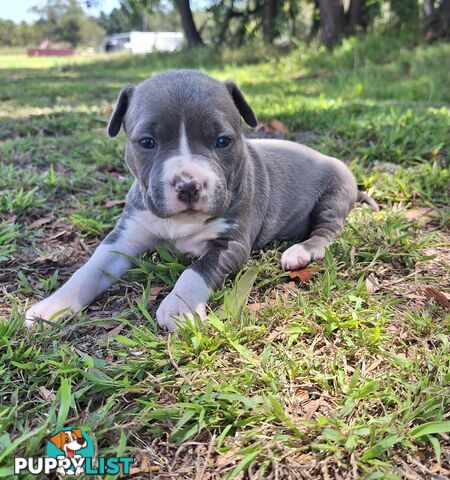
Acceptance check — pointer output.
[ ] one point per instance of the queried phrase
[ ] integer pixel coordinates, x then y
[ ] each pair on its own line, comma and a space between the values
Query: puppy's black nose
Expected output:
189, 192
81, 441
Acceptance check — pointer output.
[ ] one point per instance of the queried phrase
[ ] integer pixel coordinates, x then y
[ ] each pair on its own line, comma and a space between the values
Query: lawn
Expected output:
346, 375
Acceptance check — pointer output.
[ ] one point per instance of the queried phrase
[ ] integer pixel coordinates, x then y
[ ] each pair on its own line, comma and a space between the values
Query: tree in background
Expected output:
436, 19
269, 16
230, 22
356, 16
65, 21
142, 11
191, 33
119, 20
136, 15
332, 21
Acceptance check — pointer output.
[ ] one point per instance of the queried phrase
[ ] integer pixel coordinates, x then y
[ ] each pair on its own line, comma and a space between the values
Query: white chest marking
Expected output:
189, 234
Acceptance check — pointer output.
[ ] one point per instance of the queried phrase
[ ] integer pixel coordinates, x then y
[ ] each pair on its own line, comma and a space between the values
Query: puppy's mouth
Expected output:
190, 210
70, 452
189, 216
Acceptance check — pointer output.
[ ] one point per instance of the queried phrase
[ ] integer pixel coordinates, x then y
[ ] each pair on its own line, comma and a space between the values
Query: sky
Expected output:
18, 10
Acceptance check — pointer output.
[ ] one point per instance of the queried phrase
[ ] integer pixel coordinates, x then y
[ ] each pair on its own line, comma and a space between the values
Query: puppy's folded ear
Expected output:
58, 440
116, 119
241, 104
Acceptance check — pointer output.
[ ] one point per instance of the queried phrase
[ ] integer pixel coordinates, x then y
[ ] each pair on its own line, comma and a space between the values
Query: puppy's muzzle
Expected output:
187, 184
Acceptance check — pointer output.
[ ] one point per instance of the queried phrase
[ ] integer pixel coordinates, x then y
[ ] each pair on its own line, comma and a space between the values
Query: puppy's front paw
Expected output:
175, 306
60, 471
49, 307
79, 471
295, 257
189, 296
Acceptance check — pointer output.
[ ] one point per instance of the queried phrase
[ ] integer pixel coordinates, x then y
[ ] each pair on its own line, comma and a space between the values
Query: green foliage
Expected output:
61, 21
65, 21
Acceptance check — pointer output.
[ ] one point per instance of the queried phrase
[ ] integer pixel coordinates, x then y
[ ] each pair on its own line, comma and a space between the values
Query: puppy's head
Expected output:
69, 441
184, 141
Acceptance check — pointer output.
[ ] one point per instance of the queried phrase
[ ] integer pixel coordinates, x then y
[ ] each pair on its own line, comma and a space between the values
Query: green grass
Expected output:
319, 379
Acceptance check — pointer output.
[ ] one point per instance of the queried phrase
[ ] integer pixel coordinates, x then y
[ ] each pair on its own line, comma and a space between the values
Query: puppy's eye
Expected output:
147, 142
222, 142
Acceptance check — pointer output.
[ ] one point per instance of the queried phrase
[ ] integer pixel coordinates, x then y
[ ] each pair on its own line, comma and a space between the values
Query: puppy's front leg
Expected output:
129, 237
192, 289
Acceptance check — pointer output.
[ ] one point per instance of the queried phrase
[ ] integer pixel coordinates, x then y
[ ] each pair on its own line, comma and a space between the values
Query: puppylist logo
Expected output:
71, 451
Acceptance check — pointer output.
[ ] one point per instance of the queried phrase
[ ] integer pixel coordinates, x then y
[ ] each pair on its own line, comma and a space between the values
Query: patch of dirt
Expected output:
412, 287
199, 460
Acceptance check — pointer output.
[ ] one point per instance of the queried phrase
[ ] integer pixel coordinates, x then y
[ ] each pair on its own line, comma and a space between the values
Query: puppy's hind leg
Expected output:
327, 221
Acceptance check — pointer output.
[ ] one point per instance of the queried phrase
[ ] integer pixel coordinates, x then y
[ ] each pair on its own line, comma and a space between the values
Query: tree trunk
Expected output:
315, 27
269, 15
355, 16
437, 19
293, 17
187, 21
444, 18
428, 8
332, 21
225, 24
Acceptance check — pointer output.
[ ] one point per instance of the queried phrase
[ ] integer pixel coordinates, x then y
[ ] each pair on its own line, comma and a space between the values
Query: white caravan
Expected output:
144, 42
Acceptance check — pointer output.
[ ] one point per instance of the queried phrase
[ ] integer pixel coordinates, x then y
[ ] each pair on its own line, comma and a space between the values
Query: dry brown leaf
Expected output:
422, 215
274, 334
302, 395
115, 331
278, 126
113, 203
104, 339
438, 296
374, 365
154, 292
304, 274
255, 307
46, 394
107, 111
312, 408
268, 128
372, 284
144, 467
272, 126
436, 468
60, 224
40, 221
314, 405
60, 234
227, 457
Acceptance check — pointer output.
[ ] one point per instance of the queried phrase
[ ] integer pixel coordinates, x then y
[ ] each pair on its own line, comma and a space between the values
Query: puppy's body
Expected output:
275, 202
201, 186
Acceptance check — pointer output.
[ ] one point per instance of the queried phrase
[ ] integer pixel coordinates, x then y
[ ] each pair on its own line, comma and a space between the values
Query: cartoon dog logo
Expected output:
70, 441
71, 451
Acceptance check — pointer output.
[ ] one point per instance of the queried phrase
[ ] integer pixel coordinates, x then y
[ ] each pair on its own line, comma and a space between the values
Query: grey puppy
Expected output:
204, 188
